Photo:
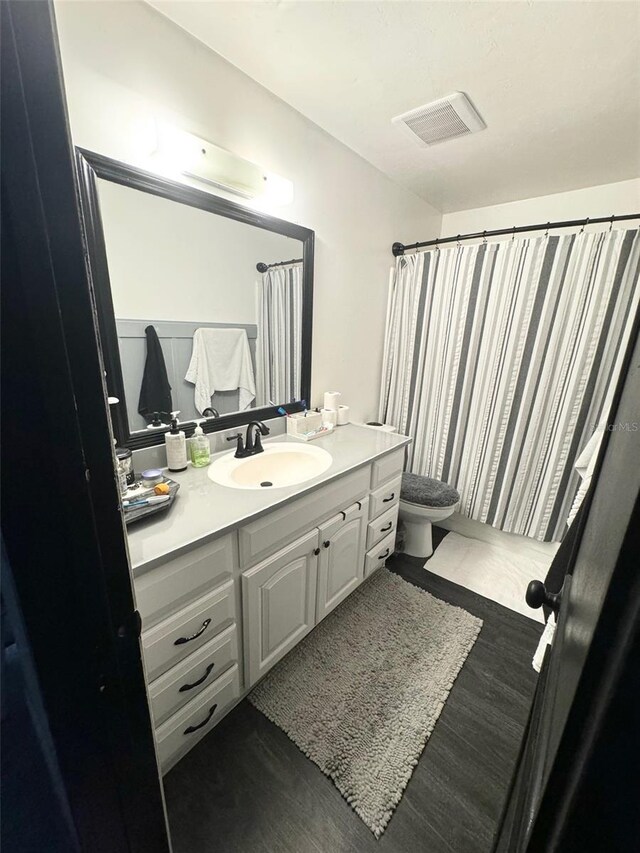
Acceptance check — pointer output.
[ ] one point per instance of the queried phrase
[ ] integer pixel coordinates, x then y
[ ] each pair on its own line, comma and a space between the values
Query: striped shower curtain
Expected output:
279, 344
498, 360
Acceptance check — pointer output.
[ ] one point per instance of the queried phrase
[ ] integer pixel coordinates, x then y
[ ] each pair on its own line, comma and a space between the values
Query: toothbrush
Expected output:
156, 499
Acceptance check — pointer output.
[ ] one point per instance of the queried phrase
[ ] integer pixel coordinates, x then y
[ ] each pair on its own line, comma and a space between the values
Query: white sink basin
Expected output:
282, 463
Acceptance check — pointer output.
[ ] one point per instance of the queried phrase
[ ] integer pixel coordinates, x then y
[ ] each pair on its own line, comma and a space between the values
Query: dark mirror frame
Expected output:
91, 166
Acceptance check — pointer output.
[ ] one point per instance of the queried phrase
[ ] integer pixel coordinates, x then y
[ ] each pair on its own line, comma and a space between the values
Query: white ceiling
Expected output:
557, 83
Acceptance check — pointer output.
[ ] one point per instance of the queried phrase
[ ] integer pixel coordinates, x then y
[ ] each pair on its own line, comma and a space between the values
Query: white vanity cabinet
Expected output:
169, 642
218, 616
284, 596
385, 496
340, 568
278, 604
188, 606
386, 480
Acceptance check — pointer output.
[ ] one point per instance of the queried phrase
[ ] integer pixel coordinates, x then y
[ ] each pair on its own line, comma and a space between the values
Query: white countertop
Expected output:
203, 509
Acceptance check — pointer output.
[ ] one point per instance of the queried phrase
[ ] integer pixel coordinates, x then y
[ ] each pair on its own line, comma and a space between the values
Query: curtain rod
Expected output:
400, 248
262, 267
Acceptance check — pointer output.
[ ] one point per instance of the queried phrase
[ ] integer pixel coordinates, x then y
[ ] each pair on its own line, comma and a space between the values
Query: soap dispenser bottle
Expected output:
200, 448
176, 445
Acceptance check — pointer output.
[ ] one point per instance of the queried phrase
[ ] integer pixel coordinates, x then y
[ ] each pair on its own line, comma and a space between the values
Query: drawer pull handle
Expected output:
197, 683
382, 556
359, 505
191, 729
386, 500
182, 640
326, 543
388, 527
343, 514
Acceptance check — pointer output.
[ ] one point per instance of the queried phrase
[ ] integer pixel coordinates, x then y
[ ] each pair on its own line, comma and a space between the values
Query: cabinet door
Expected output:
279, 604
341, 564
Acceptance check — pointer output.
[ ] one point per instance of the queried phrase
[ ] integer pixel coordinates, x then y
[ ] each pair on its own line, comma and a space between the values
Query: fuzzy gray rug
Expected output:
361, 694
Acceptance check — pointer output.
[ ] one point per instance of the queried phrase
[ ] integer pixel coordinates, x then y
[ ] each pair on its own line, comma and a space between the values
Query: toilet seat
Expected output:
418, 490
433, 513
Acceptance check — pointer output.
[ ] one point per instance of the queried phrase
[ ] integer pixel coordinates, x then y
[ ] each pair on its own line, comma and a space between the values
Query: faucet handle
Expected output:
240, 440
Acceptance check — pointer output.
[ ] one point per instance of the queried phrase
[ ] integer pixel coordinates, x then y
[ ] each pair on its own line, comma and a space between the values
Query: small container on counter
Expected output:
151, 477
125, 463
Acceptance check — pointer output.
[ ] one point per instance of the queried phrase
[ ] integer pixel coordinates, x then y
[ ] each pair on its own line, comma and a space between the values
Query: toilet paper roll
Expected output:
329, 416
331, 399
343, 415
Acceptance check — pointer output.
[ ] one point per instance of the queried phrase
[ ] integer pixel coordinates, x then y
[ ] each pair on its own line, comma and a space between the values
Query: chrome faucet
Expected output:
253, 442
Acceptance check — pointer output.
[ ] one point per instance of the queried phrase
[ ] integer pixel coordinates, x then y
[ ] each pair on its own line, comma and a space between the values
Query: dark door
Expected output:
576, 786
71, 595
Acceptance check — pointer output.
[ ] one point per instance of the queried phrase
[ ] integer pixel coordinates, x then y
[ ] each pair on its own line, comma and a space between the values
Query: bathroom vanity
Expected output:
231, 579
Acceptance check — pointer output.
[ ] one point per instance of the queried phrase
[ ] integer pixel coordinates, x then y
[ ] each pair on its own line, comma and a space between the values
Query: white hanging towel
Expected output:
584, 465
221, 361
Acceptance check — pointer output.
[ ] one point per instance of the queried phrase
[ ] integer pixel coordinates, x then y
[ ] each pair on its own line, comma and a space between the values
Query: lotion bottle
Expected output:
176, 445
200, 448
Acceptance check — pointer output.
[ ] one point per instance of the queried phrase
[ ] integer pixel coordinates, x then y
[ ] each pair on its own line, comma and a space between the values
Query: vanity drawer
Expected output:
183, 682
389, 466
176, 583
185, 728
175, 638
277, 529
385, 497
377, 556
382, 526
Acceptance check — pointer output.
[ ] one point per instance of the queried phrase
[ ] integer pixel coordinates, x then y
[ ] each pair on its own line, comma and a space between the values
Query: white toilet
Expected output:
423, 501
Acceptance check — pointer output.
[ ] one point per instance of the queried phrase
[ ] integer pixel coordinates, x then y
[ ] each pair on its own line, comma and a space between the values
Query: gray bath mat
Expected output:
361, 694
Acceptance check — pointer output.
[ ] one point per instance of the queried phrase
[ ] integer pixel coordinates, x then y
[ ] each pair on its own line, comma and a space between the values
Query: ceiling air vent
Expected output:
446, 118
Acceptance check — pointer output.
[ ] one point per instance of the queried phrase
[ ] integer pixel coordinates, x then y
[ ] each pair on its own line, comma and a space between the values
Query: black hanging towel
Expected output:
155, 391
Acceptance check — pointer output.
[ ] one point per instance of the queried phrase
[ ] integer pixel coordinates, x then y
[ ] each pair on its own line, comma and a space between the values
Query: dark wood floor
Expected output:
246, 788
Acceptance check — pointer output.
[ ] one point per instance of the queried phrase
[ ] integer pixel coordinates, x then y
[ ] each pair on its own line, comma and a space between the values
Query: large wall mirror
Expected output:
204, 306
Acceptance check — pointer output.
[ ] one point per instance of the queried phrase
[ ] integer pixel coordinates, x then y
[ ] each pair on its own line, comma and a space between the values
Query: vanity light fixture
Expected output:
181, 153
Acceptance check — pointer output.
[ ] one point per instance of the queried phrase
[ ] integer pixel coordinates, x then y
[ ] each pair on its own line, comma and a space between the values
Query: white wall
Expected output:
619, 198
169, 261
123, 63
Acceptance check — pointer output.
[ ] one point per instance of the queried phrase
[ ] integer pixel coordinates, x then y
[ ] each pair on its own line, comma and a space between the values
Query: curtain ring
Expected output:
513, 236
547, 231
484, 237
437, 246
611, 223
458, 241
584, 225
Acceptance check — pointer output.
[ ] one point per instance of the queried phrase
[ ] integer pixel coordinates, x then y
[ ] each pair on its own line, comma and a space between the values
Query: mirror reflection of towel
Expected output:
221, 361
155, 391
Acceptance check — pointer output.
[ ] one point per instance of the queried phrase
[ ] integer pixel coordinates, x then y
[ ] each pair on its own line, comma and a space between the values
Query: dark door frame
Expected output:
61, 521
